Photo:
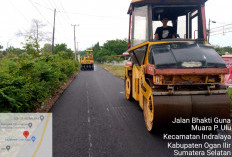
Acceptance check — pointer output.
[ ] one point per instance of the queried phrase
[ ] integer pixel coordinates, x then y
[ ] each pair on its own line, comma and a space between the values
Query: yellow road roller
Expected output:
173, 71
87, 62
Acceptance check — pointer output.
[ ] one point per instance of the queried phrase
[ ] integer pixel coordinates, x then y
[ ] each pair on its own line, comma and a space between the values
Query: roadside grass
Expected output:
117, 70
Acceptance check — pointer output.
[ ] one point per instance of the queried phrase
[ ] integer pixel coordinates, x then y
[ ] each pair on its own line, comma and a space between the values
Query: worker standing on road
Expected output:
164, 32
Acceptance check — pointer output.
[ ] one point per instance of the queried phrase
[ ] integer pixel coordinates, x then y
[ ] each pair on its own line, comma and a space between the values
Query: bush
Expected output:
26, 80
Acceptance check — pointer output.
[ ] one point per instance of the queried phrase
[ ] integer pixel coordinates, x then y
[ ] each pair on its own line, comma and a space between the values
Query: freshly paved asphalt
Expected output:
93, 119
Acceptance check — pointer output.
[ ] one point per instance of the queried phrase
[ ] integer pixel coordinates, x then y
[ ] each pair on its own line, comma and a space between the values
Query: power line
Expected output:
222, 33
39, 12
65, 17
21, 15
42, 14
50, 9
221, 26
54, 3
70, 12
44, 6
19, 12
221, 30
64, 11
59, 9
51, 4
58, 20
100, 16
62, 26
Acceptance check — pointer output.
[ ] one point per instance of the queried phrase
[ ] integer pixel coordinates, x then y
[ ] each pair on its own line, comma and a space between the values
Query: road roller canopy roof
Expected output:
89, 50
164, 2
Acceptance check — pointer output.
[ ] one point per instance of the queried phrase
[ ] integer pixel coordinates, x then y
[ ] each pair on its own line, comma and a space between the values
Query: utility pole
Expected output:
53, 36
209, 28
74, 26
78, 52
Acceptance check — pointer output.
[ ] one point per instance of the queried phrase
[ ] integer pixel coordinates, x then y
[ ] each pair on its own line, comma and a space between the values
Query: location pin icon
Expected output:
41, 117
33, 138
25, 134
8, 148
30, 125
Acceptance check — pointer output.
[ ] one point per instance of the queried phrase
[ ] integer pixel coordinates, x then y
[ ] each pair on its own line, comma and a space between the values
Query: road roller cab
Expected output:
87, 62
180, 76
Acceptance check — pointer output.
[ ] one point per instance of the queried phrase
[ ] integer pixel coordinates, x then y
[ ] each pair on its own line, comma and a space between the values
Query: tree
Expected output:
223, 50
107, 52
96, 47
82, 53
31, 46
36, 33
1, 53
116, 46
63, 47
11, 49
47, 48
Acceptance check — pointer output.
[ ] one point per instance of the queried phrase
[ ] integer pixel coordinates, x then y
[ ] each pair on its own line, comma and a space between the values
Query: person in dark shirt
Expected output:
164, 32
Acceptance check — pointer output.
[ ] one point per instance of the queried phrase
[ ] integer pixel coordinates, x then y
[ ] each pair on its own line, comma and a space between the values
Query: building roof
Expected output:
123, 55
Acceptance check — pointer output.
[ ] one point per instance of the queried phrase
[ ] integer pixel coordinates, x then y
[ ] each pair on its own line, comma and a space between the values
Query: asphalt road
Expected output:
93, 119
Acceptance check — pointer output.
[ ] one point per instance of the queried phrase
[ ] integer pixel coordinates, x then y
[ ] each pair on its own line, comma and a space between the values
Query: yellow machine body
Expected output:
87, 62
173, 78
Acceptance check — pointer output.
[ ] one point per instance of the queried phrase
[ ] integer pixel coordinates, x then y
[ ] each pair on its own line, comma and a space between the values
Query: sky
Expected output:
96, 20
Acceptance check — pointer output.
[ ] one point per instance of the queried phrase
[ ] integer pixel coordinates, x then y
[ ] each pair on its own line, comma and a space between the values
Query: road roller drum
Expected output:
166, 108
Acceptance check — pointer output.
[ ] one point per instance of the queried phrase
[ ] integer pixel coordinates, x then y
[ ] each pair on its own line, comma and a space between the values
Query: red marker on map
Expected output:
25, 134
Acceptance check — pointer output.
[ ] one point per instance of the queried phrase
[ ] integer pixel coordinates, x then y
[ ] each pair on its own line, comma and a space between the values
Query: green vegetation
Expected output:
222, 50
29, 76
230, 94
47, 48
25, 80
109, 50
16, 51
117, 70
